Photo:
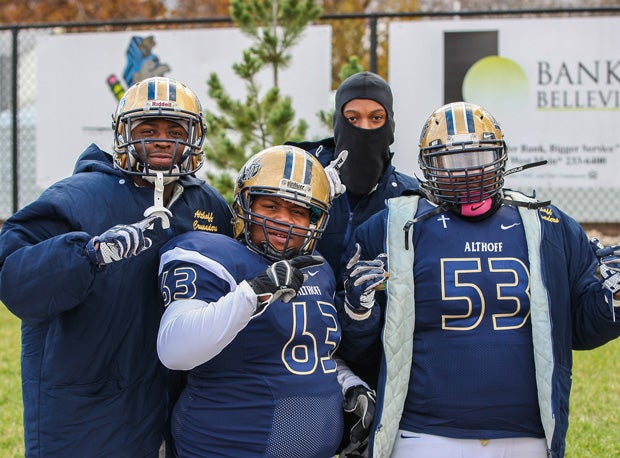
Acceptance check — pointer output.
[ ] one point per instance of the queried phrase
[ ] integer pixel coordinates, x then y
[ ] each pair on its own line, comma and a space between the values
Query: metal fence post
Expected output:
373, 43
14, 118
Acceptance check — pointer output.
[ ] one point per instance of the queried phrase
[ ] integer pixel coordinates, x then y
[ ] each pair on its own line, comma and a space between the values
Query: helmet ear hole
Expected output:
159, 97
289, 173
315, 215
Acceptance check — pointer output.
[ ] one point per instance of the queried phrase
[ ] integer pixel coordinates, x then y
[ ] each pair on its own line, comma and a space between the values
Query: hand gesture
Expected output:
609, 264
120, 242
336, 188
281, 280
361, 280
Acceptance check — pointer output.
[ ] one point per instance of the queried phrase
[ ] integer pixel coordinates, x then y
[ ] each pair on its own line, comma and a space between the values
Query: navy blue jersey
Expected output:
272, 391
473, 366
479, 290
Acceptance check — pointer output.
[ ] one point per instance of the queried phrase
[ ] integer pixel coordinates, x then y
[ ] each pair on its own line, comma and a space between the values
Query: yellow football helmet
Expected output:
462, 154
290, 173
159, 97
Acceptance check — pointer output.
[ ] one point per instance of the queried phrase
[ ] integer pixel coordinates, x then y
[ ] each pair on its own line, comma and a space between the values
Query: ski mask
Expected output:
369, 149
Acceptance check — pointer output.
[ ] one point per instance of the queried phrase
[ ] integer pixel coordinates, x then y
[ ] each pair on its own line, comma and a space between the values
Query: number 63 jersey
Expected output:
272, 391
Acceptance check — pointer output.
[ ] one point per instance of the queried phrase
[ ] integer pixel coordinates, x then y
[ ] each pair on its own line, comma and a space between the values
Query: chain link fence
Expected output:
17, 119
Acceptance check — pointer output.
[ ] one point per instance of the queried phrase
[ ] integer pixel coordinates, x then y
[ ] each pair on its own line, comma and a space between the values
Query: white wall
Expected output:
75, 106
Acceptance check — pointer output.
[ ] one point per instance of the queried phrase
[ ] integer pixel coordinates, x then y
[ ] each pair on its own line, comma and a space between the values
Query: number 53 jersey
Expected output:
272, 391
473, 363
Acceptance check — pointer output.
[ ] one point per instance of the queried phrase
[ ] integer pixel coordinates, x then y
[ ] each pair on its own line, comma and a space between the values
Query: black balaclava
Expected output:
369, 149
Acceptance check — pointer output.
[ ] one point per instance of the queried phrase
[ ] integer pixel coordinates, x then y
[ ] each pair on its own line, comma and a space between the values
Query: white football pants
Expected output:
408, 445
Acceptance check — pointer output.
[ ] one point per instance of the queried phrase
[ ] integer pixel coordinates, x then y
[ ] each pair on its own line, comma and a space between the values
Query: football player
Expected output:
489, 292
79, 267
363, 177
253, 321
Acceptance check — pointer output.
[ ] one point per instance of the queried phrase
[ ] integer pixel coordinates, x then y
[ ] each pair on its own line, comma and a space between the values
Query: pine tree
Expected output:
264, 117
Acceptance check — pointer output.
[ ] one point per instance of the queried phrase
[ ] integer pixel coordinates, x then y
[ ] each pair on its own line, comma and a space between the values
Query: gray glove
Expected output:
281, 280
361, 280
120, 242
609, 264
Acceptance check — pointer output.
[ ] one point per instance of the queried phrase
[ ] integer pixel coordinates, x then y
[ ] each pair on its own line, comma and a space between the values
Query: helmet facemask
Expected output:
310, 233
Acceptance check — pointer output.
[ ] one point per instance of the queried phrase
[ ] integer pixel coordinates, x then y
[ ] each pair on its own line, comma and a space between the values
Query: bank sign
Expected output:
553, 84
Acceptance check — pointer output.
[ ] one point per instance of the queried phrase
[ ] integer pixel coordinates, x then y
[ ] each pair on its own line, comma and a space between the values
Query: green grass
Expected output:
11, 428
594, 430
594, 422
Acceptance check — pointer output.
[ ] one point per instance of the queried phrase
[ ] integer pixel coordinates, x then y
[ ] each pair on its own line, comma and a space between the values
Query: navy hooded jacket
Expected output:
92, 382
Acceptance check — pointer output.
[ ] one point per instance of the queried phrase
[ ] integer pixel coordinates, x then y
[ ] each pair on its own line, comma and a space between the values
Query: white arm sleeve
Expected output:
346, 377
192, 331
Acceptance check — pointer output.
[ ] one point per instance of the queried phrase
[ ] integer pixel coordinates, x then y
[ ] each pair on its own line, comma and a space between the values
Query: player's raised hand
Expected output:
120, 242
281, 280
361, 280
336, 188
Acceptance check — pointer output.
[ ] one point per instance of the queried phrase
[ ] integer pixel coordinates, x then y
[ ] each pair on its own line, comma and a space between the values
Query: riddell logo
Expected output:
161, 104
295, 186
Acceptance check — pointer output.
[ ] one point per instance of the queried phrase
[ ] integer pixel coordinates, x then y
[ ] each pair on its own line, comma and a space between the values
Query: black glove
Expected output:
360, 401
281, 280
120, 242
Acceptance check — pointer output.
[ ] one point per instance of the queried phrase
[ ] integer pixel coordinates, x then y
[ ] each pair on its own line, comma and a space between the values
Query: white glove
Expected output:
336, 188
120, 242
361, 280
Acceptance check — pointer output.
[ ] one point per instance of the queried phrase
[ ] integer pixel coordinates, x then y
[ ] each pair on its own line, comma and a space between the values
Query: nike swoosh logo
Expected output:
509, 226
476, 208
312, 274
402, 436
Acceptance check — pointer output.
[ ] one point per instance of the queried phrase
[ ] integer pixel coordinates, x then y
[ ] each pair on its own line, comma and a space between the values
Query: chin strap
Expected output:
528, 205
411, 222
491, 206
269, 250
159, 209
